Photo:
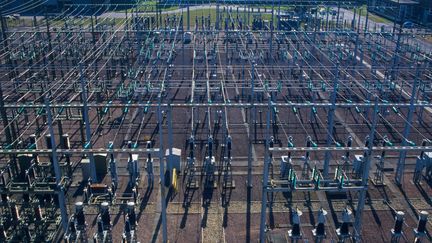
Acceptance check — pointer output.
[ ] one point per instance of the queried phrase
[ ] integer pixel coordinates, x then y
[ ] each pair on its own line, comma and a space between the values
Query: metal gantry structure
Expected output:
224, 96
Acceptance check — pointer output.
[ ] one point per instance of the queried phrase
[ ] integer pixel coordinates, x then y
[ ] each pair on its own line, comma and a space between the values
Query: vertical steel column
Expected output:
170, 130
401, 162
365, 177
395, 60
271, 32
331, 120
354, 19
9, 130
188, 15
2, 108
367, 18
251, 123
338, 15
162, 172
217, 15
265, 177
61, 196
87, 125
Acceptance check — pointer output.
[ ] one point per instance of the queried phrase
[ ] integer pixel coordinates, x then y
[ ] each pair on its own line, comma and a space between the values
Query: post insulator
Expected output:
423, 218
399, 222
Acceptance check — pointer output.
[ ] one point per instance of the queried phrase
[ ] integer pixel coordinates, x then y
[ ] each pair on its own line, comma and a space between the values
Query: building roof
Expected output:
410, 2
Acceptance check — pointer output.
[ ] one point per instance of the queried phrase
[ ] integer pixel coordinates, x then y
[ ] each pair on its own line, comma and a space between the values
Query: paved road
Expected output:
348, 15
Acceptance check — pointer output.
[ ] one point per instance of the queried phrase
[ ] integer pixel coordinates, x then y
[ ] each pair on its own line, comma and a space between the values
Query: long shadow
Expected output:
158, 225
184, 218
145, 199
248, 214
374, 213
117, 217
226, 197
333, 212
80, 189
207, 197
424, 194
383, 193
271, 216
225, 217
308, 204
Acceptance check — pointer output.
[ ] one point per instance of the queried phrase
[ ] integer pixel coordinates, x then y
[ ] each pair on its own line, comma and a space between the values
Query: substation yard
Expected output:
284, 113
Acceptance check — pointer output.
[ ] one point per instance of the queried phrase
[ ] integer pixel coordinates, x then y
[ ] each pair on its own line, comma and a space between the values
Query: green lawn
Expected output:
373, 17
212, 12
151, 6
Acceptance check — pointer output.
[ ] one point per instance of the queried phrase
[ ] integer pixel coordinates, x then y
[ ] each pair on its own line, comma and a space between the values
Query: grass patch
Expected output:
198, 13
375, 18
143, 6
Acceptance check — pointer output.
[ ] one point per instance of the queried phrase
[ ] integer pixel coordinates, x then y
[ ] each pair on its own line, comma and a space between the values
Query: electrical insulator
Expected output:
296, 231
210, 147
5, 198
129, 145
3, 235
71, 227
79, 214
296, 223
127, 228
399, 222
26, 197
105, 215
131, 213
349, 144
346, 218
148, 146
320, 228
27, 232
38, 213
191, 147
14, 213
229, 146
423, 218
100, 226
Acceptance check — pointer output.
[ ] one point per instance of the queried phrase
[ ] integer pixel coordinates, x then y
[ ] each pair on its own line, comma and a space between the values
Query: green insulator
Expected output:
106, 108
341, 183
314, 110
87, 145
21, 110
126, 109
395, 110
146, 108
294, 181
41, 111
410, 143
323, 86
279, 86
